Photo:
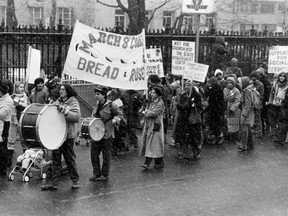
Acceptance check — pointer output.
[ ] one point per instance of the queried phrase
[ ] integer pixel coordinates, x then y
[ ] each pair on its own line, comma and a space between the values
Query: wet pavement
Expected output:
222, 182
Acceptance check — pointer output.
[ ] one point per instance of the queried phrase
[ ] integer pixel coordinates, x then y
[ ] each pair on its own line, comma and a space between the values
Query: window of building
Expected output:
119, 18
270, 27
188, 23
281, 6
37, 15
65, 14
254, 7
209, 21
167, 19
3, 15
248, 27
267, 7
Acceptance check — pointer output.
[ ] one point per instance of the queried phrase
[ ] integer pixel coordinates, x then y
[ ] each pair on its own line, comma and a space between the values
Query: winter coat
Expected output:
258, 85
73, 115
6, 106
215, 109
107, 113
247, 114
20, 101
233, 99
39, 96
278, 91
153, 141
132, 103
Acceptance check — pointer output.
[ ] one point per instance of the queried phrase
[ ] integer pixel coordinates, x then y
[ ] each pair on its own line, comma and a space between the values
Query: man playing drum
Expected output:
111, 115
69, 106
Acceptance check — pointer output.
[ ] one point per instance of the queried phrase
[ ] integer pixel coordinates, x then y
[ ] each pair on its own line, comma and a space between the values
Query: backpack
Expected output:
256, 101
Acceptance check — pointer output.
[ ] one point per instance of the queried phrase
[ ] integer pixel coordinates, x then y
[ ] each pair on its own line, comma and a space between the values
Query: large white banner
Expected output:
33, 65
278, 59
154, 62
106, 58
182, 51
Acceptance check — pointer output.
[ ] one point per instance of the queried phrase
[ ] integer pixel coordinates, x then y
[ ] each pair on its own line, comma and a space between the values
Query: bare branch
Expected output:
177, 20
153, 12
108, 5
122, 6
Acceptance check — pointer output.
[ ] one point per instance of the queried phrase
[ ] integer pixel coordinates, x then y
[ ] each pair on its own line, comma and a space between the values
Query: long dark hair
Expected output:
71, 92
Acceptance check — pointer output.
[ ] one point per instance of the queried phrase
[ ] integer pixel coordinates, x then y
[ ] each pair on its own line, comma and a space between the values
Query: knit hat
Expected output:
217, 71
261, 71
245, 81
256, 74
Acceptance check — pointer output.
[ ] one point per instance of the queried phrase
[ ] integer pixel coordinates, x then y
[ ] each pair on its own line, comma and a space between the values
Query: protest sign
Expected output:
278, 59
33, 65
189, 71
106, 58
182, 51
154, 62
195, 71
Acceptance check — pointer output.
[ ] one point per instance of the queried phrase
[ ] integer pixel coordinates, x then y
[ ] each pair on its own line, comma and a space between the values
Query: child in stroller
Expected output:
33, 159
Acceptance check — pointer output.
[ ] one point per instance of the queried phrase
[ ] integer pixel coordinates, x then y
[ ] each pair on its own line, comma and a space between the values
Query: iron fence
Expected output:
249, 48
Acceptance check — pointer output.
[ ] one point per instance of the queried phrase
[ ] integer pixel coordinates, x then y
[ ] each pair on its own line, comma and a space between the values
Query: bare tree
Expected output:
11, 16
136, 13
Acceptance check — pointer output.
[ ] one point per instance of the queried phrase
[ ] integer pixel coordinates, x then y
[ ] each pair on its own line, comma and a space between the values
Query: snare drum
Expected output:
43, 126
92, 128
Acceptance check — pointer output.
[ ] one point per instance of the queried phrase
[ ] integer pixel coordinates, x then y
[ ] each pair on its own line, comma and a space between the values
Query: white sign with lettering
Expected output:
182, 51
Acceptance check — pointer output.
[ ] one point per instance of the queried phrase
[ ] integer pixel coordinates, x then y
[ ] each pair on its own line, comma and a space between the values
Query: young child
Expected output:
29, 155
21, 101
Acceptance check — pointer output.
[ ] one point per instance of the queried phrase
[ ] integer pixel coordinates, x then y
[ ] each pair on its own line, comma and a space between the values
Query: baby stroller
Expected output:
32, 161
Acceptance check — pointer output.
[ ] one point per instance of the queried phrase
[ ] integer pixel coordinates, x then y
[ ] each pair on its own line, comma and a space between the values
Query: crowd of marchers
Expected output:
226, 107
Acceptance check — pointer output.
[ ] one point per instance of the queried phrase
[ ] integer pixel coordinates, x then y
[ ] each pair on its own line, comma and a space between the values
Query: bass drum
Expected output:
43, 126
92, 128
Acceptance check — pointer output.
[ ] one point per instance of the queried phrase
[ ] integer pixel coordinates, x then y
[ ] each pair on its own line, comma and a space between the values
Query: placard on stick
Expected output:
195, 71
33, 64
182, 51
278, 59
154, 62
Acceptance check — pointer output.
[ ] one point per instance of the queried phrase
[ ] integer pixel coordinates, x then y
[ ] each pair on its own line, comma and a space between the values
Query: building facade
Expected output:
235, 15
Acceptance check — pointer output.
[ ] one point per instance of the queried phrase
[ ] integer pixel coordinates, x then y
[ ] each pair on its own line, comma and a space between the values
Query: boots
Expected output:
9, 158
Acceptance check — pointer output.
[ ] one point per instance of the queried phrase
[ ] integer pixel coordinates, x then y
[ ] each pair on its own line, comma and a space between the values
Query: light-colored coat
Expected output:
153, 141
73, 115
247, 114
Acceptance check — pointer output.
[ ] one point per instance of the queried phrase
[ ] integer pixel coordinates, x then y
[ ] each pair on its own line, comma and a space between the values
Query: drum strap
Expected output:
97, 114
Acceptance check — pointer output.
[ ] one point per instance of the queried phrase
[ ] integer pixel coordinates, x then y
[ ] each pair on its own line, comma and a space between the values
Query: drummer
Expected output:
111, 116
69, 106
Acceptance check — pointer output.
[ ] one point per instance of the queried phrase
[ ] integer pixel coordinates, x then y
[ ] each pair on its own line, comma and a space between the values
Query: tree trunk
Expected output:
136, 16
11, 16
52, 21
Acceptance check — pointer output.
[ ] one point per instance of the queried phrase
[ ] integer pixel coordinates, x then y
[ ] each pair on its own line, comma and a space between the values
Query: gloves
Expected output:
62, 109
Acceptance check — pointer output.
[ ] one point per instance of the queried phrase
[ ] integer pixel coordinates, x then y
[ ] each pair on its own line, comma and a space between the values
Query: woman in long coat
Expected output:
152, 145
215, 110
232, 98
247, 117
